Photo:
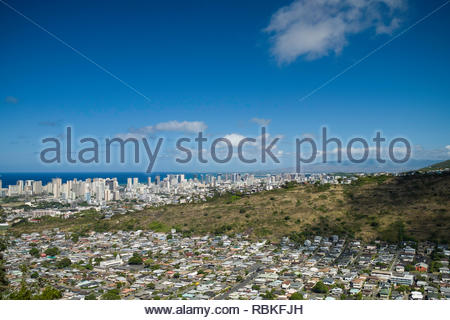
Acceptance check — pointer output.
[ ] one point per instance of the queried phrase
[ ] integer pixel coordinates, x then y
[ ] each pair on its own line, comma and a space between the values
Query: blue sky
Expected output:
221, 64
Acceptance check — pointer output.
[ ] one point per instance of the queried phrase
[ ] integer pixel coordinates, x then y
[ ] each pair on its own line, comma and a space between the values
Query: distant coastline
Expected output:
11, 178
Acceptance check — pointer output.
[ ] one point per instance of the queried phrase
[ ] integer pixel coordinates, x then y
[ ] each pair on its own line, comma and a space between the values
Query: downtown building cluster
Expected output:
172, 189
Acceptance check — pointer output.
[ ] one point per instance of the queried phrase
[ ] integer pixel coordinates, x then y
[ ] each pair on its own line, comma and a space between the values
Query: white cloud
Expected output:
314, 28
381, 28
234, 138
129, 135
261, 122
253, 148
176, 126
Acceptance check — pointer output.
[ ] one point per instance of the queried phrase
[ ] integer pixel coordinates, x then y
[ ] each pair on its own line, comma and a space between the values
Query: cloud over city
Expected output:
173, 126
315, 28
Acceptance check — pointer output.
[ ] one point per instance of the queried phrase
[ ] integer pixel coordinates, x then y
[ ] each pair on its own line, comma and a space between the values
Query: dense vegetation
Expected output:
3, 280
25, 292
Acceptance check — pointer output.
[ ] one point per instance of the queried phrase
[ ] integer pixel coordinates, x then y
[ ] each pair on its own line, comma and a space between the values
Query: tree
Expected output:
49, 293
2, 245
437, 255
52, 251
410, 267
34, 252
23, 294
112, 294
403, 288
435, 265
136, 259
63, 263
320, 287
3, 279
90, 296
23, 268
296, 296
269, 295
75, 237
98, 260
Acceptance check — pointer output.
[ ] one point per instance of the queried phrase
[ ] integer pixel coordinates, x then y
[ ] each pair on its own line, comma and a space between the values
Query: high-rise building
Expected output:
107, 196
100, 192
20, 186
37, 187
13, 190
110, 184
56, 187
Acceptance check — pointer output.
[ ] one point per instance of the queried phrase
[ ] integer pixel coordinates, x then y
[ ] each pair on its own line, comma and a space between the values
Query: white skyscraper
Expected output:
20, 186
107, 195
37, 187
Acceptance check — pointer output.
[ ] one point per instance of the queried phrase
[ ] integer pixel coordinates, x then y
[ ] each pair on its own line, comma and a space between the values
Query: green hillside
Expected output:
437, 166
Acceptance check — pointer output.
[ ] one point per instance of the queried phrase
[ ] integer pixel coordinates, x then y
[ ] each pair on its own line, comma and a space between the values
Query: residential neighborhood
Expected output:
156, 265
